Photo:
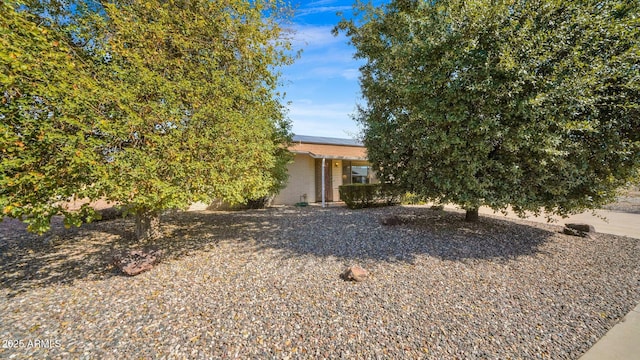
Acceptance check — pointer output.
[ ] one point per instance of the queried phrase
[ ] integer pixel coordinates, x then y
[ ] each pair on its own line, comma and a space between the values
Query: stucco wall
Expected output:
301, 181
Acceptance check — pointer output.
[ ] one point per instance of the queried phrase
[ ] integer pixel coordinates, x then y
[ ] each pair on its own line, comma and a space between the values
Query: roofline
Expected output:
332, 157
307, 139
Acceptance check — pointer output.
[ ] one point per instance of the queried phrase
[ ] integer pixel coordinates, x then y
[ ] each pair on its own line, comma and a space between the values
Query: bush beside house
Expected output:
358, 196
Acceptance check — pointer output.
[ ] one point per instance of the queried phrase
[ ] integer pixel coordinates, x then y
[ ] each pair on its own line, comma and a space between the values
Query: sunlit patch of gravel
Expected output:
265, 284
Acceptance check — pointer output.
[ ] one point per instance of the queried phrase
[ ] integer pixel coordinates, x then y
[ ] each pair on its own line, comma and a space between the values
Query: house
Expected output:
320, 166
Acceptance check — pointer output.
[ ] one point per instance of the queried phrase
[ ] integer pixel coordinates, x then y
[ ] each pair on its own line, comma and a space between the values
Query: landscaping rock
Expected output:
110, 213
572, 232
135, 262
581, 230
354, 273
392, 220
586, 228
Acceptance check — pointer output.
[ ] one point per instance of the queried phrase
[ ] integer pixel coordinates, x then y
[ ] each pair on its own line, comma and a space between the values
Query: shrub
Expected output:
259, 203
410, 198
358, 196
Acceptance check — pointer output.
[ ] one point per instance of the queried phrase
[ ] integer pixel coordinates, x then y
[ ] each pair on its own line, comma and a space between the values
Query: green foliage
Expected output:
532, 104
412, 199
358, 196
47, 149
162, 103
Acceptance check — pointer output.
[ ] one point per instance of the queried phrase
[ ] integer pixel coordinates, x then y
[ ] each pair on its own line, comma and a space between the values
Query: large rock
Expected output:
354, 273
392, 220
582, 230
135, 262
586, 228
110, 213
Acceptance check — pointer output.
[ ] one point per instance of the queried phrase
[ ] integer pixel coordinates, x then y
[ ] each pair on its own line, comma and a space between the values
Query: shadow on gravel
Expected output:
59, 256
358, 235
64, 255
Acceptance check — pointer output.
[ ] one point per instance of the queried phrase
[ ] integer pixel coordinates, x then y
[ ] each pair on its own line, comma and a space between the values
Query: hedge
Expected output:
358, 196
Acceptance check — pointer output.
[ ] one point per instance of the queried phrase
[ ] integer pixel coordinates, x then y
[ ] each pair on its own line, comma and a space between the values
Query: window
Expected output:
357, 172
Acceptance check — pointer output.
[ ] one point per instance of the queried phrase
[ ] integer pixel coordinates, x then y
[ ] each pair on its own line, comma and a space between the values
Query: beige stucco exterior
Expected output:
301, 181
305, 172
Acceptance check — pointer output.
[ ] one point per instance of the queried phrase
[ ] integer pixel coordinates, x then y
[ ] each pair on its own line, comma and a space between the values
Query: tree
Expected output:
46, 121
528, 104
187, 108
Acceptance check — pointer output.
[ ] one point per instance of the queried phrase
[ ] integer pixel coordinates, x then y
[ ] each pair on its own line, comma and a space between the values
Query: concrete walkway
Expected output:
605, 221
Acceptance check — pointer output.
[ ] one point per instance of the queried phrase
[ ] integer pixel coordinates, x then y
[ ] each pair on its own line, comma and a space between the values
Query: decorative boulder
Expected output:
582, 230
572, 232
581, 227
135, 262
392, 220
354, 273
110, 213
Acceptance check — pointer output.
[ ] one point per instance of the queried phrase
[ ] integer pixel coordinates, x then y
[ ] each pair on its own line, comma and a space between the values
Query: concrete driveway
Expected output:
605, 221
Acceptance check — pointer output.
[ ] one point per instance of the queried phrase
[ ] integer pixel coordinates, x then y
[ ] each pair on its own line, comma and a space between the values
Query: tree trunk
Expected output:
471, 215
147, 226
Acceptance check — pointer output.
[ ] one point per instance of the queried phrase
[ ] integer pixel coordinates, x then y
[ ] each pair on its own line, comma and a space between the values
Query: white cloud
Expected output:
321, 2
306, 70
332, 119
315, 36
328, 72
315, 128
338, 55
324, 55
322, 9
306, 108
350, 74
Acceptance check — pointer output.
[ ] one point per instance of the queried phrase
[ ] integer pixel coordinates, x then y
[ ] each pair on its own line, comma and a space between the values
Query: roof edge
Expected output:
306, 139
330, 157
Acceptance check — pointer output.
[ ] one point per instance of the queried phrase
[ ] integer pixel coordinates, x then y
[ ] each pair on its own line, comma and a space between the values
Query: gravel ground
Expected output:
265, 284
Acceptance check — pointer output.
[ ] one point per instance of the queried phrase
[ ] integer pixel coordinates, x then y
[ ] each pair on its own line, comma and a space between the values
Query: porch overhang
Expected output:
329, 156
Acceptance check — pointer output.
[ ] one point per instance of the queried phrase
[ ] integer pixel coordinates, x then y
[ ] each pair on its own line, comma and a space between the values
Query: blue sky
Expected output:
322, 85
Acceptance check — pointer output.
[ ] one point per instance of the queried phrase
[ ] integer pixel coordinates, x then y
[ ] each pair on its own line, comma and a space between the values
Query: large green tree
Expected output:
47, 151
185, 106
529, 104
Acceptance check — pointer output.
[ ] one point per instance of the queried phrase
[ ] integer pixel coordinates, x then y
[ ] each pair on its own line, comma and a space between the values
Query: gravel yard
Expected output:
265, 284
